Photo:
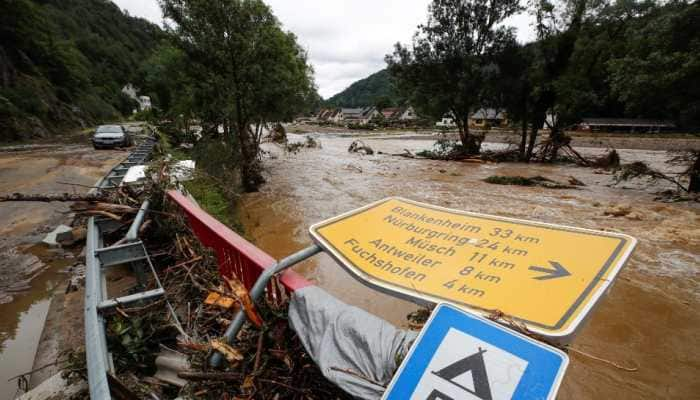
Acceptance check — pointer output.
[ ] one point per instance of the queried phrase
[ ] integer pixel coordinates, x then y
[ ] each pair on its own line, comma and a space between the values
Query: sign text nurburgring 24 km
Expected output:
546, 276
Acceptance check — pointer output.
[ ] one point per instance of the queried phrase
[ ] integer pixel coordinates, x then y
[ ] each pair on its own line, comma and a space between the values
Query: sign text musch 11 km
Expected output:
547, 276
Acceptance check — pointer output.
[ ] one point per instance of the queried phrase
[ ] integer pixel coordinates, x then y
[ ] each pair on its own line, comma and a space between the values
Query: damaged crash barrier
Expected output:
352, 348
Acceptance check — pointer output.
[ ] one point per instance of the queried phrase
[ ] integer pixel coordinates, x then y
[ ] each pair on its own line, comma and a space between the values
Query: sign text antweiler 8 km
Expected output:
547, 276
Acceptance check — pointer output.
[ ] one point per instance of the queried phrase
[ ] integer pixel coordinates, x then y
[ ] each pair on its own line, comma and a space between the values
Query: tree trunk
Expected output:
470, 143
533, 139
694, 175
250, 169
557, 140
523, 140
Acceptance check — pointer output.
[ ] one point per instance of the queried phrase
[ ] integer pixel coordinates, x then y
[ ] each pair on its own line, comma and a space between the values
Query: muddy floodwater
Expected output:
30, 271
649, 322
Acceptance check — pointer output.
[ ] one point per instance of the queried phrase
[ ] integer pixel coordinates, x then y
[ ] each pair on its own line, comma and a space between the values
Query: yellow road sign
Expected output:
546, 276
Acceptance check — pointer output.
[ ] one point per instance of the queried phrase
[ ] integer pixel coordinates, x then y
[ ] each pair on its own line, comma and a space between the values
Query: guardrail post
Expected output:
258, 290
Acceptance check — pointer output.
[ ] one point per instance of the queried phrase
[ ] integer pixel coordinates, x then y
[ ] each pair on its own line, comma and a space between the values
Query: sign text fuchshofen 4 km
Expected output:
546, 276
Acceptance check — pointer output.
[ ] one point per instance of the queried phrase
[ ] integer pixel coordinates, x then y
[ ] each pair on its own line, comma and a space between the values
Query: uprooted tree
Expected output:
246, 72
686, 180
450, 58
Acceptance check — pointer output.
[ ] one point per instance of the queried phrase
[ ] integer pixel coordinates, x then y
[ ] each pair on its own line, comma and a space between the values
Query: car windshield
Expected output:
109, 129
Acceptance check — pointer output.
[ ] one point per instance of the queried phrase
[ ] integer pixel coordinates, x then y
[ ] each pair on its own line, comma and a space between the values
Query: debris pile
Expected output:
154, 359
308, 143
278, 134
540, 181
358, 146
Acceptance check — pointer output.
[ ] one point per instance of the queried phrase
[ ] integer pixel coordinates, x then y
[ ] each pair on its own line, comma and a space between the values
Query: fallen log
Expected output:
53, 197
115, 208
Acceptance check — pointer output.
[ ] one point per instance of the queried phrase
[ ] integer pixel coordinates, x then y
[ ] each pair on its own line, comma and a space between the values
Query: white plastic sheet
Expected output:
346, 341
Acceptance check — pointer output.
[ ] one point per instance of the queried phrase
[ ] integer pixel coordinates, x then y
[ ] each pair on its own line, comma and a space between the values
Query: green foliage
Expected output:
446, 67
63, 63
210, 196
128, 339
165, 80
244, 69
377, 89
662, 57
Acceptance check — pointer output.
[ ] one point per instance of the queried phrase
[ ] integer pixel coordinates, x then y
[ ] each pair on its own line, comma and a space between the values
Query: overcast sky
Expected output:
346, 39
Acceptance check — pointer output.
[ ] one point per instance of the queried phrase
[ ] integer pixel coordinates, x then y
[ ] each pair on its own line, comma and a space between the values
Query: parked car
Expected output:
111, 136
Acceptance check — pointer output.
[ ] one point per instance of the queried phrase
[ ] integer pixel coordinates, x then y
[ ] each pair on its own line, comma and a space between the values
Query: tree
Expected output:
565, 77
661, 56
249, 71
445, 69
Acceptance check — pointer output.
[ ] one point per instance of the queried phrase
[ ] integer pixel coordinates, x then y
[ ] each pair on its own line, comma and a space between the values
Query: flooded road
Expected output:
29, 272
649, 321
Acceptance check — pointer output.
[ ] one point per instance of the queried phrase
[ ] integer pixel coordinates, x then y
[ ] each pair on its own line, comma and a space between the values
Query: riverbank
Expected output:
634, 141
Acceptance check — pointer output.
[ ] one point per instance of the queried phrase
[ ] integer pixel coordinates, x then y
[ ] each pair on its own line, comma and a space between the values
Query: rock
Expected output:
50, 238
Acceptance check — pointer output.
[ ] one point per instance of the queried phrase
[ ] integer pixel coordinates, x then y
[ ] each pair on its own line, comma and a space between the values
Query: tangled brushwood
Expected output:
266, 361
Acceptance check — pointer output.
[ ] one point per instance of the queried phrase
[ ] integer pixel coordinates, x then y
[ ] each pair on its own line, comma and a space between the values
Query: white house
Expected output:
408, 114
447, 121
358, 115
144, 103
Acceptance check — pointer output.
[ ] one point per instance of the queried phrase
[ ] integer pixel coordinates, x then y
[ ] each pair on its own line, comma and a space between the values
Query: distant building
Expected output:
144, 103
624, 125
447, 121
488, 117
332, 115
390, 113
407, 114
400, 114
358, 115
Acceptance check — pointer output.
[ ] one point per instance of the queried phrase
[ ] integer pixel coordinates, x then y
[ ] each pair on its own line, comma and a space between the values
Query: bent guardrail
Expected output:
99, 362
238, 258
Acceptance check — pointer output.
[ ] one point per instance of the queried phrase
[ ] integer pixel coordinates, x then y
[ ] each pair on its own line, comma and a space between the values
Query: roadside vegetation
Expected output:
235, 86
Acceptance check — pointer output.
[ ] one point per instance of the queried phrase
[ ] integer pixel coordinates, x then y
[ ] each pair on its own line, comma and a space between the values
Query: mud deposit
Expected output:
29, 272
649, 321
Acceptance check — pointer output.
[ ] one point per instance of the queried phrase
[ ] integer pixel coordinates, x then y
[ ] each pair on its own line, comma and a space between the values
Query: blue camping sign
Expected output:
462, 356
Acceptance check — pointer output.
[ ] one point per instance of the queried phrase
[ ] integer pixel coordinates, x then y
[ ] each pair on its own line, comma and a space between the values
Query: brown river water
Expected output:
648, 322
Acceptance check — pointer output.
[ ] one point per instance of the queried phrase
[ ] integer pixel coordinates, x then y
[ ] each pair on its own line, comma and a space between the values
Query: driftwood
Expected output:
53, 197
406, 154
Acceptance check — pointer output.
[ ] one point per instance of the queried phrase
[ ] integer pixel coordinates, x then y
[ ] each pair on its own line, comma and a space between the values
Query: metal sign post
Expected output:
461, 356
547, 276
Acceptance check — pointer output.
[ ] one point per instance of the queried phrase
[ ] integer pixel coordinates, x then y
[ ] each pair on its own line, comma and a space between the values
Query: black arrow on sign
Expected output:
558, 272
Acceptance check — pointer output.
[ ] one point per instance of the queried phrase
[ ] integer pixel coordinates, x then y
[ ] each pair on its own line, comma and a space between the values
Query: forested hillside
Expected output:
376, 89
63, 64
